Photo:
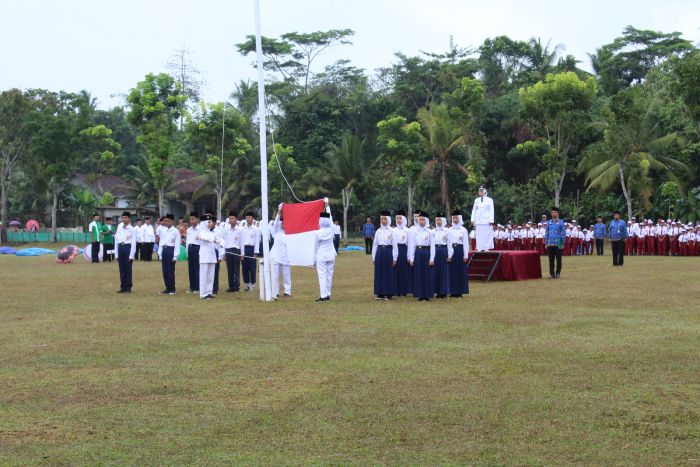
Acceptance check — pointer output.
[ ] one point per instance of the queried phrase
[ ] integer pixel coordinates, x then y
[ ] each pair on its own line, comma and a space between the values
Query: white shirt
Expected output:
336, 229
458, 235
232, 236
138, 233
191, 238
147, 233
402, 233
441, 237
385, 236
251, 237
483, 211
125, 234
169, 237
421, 236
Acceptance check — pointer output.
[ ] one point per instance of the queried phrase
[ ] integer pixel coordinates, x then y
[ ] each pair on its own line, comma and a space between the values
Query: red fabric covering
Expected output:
301, 217
518, 266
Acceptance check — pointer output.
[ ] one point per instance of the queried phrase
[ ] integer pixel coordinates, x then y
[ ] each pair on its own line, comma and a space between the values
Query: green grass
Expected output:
601, 367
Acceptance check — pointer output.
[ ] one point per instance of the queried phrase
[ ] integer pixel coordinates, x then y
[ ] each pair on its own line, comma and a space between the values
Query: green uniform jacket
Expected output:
108, 232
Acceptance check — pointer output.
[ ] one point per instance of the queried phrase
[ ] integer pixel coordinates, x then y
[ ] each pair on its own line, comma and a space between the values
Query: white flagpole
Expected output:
263, 154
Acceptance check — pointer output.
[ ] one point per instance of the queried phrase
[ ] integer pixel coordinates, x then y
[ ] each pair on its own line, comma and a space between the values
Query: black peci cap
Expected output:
325, 214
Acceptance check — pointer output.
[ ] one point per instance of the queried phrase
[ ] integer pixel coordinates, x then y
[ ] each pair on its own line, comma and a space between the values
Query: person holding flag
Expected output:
324, 254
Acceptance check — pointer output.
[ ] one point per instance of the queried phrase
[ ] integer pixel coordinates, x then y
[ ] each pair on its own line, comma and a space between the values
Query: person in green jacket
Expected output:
108, 231
95, 229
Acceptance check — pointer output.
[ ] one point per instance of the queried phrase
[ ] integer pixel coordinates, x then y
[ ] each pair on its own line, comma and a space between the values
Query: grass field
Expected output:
600, 367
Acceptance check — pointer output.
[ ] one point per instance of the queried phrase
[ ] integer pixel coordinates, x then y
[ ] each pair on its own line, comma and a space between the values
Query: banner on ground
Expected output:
300, 226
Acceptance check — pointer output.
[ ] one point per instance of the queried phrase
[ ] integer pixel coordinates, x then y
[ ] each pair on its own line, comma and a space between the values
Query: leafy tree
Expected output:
442, 138
293, 54
214, 132
402, 154
155, 105
628, 149
14, 143
559, 109
628, 59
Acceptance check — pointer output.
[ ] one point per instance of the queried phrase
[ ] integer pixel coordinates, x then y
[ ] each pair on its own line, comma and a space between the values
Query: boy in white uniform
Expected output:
211, 250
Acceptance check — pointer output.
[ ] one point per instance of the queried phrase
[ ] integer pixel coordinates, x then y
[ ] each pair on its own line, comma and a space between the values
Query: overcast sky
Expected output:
106, 46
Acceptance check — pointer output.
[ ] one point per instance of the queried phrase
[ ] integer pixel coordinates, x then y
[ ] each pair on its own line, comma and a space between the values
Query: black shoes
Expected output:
322, 299
123, 291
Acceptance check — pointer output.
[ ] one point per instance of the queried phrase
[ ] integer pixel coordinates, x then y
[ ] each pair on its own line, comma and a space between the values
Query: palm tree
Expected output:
442, 137
542, 58
143, 189
347, 163
629, 150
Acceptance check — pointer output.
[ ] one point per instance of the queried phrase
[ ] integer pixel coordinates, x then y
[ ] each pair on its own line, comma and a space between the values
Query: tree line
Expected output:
422, 133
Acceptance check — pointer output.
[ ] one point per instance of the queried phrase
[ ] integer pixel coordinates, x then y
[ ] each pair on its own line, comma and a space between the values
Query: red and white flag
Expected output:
300, 226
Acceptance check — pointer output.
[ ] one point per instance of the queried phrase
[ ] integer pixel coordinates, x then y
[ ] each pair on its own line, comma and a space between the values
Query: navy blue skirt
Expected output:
459, 277
384, 273
442, 275
404, 282
423, 277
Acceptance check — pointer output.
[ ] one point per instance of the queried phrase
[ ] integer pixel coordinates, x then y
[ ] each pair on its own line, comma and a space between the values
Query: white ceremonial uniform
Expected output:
125, 234
280, 260
482, 218
210, 252
191, 237
232, 236
324, 252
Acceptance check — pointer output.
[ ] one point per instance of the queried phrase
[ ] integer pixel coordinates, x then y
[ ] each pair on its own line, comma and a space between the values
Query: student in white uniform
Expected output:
148, 237
139, 240
168, 250
232, 244
210, 253
124, 251
325, 256
251, 247
192, 245
280, 259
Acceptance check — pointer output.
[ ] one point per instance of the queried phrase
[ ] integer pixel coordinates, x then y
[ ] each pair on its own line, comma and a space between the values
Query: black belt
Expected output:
456, 244
440, 246
422, 247
384, 246
120, 244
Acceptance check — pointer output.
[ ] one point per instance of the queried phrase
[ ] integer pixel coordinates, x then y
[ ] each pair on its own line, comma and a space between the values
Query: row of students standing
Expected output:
419, 260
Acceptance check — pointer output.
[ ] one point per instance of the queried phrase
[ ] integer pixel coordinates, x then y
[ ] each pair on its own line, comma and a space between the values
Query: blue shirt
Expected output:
618, 230
368, 230
600, 231
555, 233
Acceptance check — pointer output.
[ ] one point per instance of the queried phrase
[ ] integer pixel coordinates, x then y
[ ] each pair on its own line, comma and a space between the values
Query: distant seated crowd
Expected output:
644, 237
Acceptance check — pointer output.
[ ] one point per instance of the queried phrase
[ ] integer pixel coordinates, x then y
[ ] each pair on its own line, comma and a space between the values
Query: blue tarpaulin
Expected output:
352, 248
35, 252
6, 250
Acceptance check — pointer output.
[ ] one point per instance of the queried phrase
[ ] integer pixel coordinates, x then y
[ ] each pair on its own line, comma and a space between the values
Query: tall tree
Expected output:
215, 132
628, 150
185, 71
14, 142
628, 59
443, 137
559, 108
156, 103
348, 163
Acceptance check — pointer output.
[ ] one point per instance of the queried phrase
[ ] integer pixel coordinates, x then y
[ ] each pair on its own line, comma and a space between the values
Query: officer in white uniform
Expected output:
211, 251
482, 218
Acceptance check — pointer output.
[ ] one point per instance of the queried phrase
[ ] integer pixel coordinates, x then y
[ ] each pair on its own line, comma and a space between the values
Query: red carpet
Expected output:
515, 266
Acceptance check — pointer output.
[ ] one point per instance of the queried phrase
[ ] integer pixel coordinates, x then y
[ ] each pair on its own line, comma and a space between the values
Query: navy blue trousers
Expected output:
384, 273
423, 277
233, 267
442, 273
124, 267
249, 265
404, 282
193, 266
459, 278
168, 266
215, 290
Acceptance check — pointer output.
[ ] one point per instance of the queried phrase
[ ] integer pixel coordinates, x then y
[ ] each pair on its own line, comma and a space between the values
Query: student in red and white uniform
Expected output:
589, 241
673, 234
